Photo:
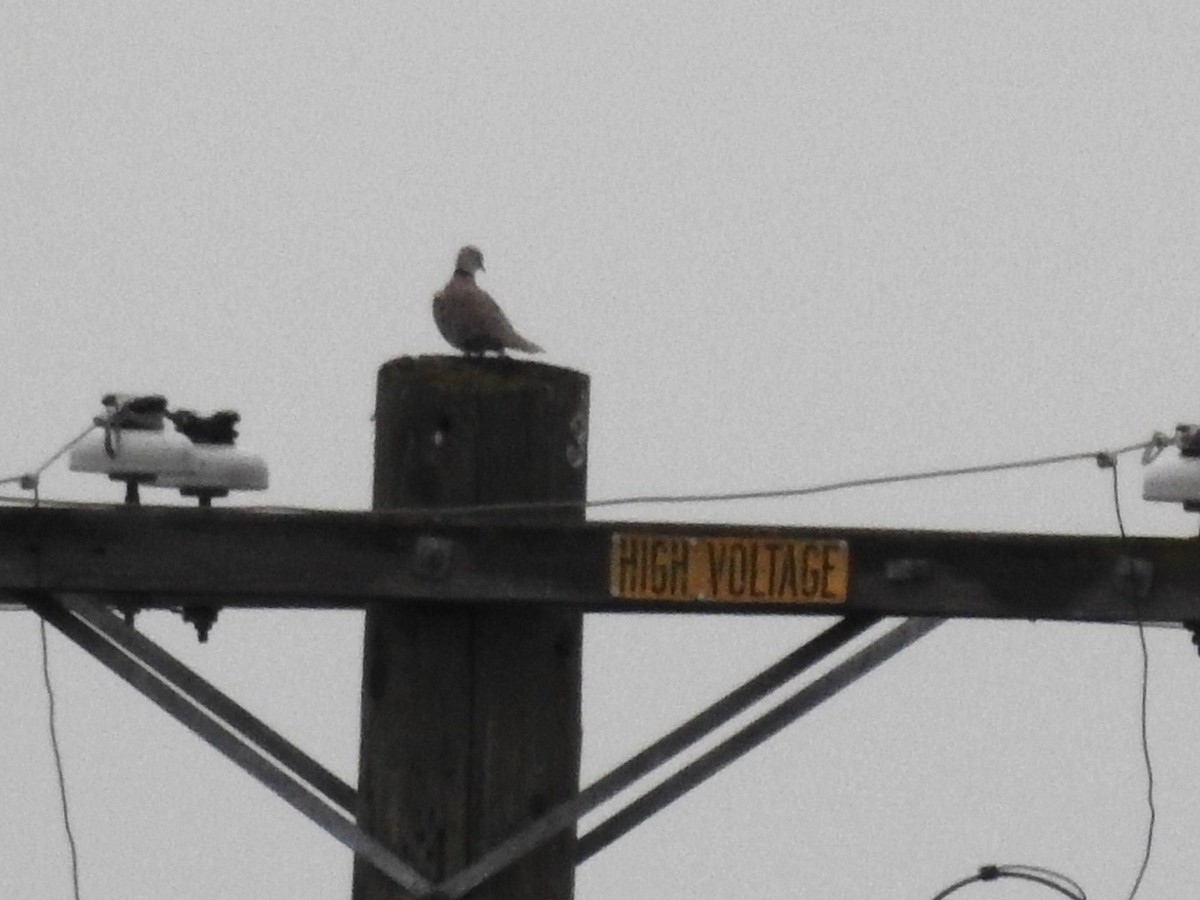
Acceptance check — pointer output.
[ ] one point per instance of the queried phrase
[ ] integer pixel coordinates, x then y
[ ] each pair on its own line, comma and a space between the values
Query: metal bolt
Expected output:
908, 570
1139, 573
431, 558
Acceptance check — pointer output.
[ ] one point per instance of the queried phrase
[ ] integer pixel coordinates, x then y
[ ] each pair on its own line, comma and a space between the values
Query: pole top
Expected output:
497, 371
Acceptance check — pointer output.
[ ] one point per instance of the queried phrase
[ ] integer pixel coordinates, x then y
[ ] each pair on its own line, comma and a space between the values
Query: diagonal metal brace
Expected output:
220, 705
567, 813
186, 711
765, 726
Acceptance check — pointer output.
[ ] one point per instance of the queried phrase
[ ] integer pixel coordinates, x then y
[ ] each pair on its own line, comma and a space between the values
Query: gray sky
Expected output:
790, 243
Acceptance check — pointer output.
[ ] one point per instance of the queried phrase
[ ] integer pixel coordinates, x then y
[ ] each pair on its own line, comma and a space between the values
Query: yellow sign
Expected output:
728, 569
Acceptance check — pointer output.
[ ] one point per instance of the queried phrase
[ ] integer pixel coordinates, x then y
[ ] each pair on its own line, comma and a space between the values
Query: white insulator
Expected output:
145, 455
220, 467
1172, 478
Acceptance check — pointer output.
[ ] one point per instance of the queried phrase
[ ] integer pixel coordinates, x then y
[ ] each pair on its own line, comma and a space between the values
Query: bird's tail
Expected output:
516, 342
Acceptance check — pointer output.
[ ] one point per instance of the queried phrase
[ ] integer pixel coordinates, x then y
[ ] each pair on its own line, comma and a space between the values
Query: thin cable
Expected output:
64, 449
29, 480
1049, 873
767, 494
716, 497
1116, 489
58, 763
864, 482
1137, 606
1046, 877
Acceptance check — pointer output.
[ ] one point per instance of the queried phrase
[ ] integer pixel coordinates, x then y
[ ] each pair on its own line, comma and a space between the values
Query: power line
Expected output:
709, 497
64, 449
789, 492
1019, 869
1116, 491
1048, 877
30, 481
58, 763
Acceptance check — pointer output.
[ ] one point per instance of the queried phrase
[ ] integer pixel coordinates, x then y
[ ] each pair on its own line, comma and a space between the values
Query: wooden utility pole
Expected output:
471, 715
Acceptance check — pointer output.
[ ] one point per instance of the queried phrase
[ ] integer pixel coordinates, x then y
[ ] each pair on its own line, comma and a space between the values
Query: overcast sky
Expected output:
789, 242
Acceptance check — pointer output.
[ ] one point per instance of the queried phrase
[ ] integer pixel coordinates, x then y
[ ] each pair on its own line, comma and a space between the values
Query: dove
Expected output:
468, 318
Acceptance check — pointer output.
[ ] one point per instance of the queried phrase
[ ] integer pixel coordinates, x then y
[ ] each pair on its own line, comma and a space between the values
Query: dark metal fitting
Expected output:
1138, 572
203, 617
431, 558
1188, 437
1194, 628
908, 570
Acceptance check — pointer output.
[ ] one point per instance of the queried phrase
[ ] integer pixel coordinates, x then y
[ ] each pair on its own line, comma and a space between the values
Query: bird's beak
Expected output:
481, 268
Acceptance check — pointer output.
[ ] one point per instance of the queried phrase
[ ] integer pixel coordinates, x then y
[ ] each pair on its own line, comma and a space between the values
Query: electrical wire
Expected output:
58, 763
30, 480
1020, 868
712, 497
784, 493
64, 449
1137, 606
1048, 877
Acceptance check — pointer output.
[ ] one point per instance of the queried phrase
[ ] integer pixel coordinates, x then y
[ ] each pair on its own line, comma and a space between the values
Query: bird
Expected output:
467, 316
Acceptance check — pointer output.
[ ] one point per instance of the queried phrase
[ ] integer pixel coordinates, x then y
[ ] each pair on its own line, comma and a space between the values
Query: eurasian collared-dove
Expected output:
468, 317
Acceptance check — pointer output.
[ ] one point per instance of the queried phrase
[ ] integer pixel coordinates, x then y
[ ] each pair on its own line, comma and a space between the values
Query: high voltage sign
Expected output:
728, 569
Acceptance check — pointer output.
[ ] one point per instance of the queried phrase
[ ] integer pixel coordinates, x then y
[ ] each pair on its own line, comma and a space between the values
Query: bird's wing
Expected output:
472, 321
487, 315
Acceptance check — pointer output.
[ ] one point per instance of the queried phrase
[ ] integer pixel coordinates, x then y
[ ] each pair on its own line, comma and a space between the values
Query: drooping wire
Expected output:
1048, 877
64, 449
58, 763
983, 469
1056, 880
1066, 880
1141, 629
1155, 442
30, 480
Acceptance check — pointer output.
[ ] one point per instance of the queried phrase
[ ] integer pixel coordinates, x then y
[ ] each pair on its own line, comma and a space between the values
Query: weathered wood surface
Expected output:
470, 714
228, 557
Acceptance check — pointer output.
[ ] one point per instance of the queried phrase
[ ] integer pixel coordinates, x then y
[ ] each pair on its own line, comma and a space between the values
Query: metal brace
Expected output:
201, 708
100, 634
